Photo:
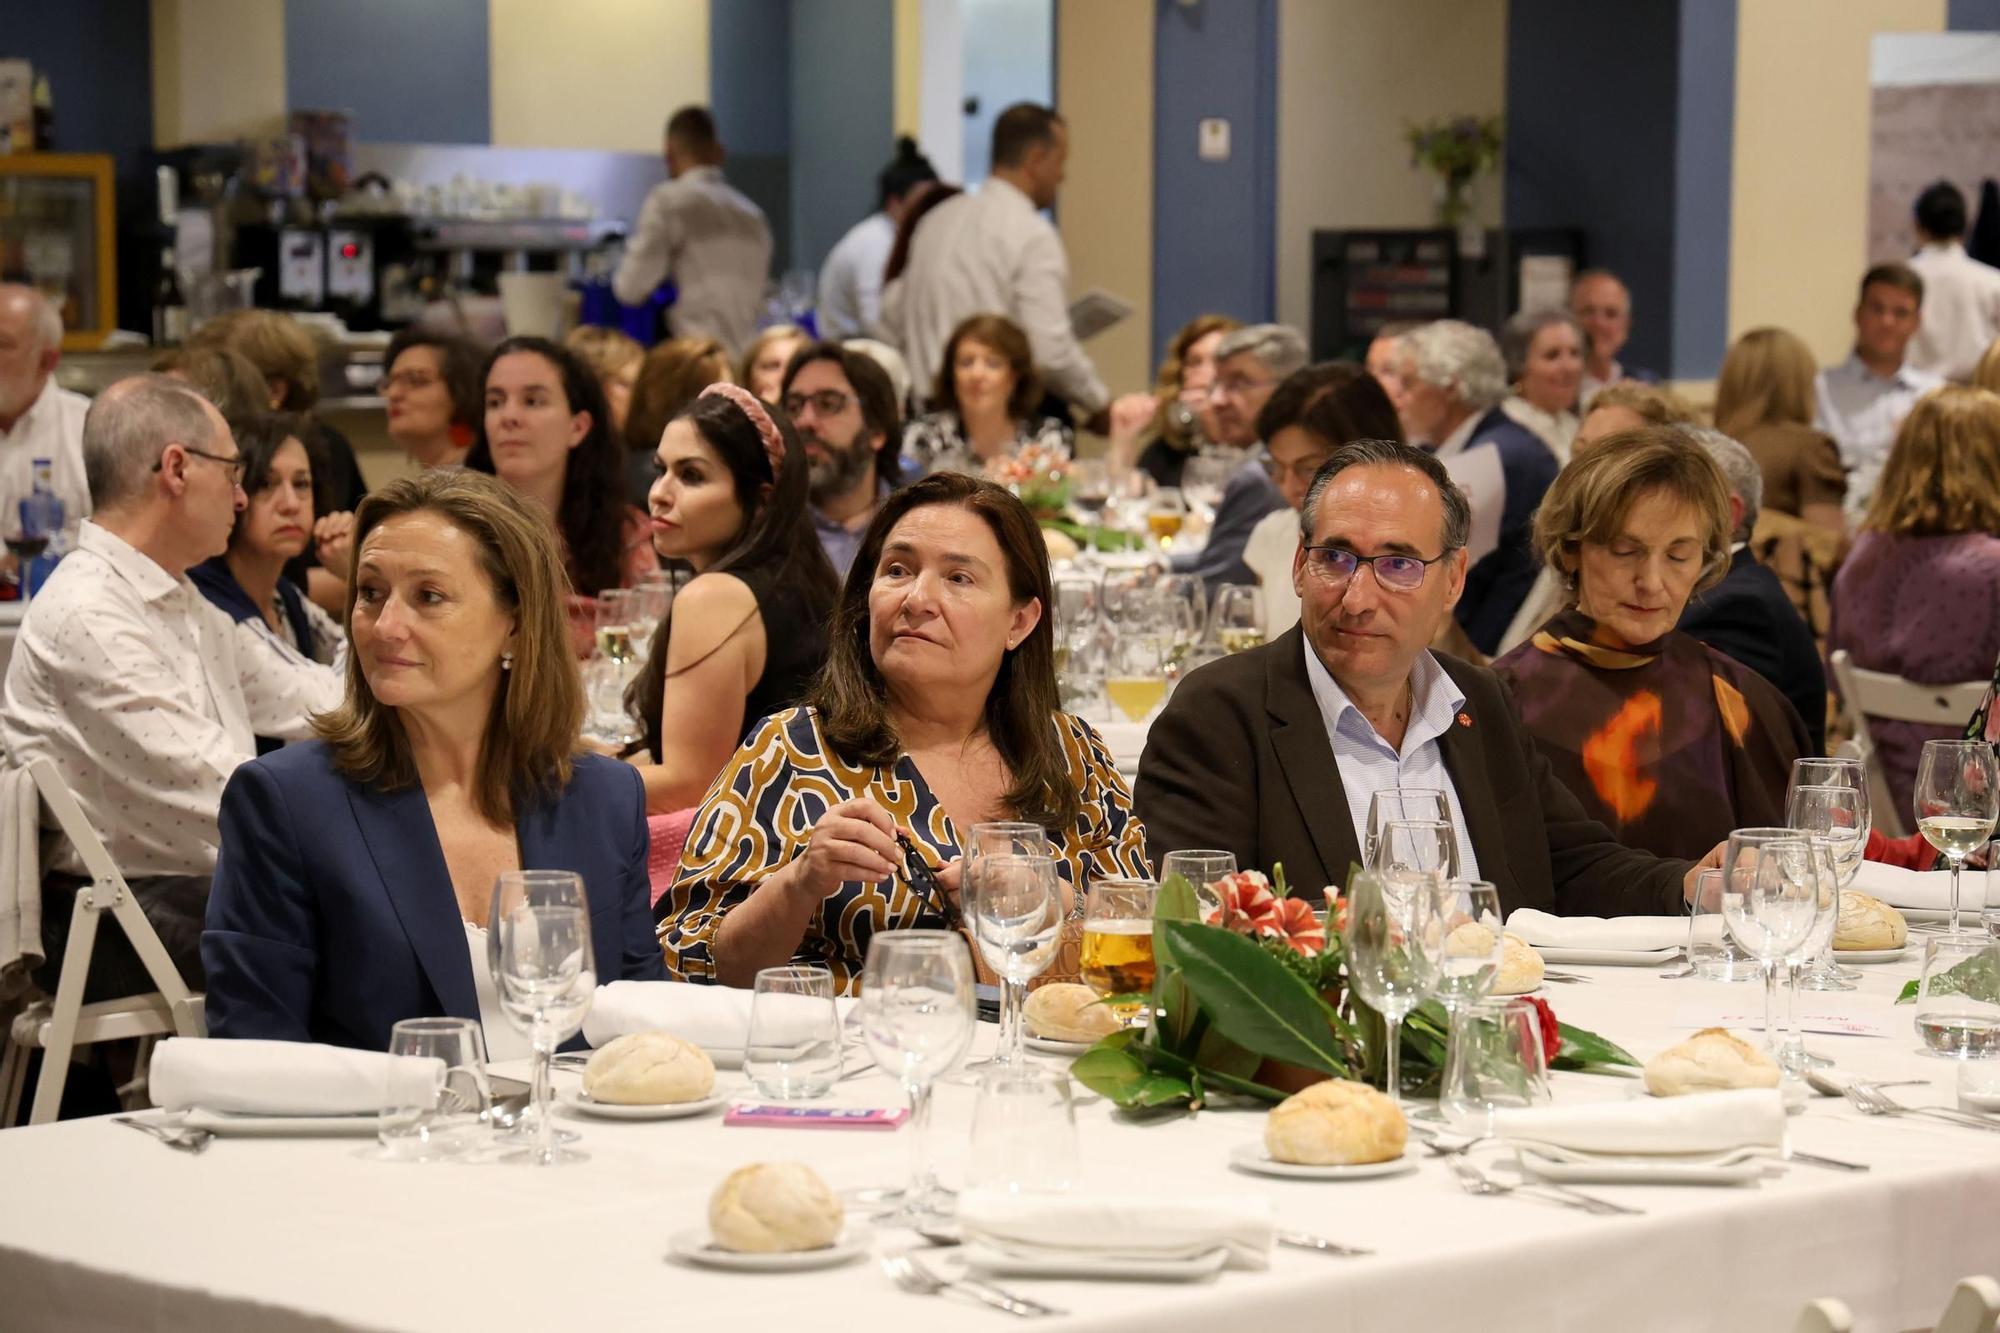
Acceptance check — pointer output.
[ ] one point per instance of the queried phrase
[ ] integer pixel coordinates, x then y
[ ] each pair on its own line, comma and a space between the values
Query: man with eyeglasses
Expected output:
144, 694
1249, 365
1275, 753
844, 408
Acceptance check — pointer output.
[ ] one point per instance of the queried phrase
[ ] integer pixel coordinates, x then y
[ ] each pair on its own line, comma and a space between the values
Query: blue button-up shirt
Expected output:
1369, 764
839, 540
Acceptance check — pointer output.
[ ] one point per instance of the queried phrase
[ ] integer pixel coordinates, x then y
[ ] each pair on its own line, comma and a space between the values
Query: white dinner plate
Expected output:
1984, 1103
1932, 916
1738, 1166
1609, 957
694, 1246
231, 1124
992, 1261
1870, 955
1251, 1157
575, 1103
1050, 1046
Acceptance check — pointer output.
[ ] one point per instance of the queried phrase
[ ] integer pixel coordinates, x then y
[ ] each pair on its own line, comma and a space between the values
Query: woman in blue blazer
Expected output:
356, 871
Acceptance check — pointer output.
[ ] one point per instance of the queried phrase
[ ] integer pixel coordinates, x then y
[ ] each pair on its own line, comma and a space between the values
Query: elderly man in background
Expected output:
1454, 381
1301, 732
1249, 365
1747, 615
1961, 295
844, 407
1601, 303
37, 419
706, 235
139, 689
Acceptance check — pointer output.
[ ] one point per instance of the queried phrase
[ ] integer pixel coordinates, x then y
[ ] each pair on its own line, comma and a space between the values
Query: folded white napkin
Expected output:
1924, 890
287, 1077
1701, 1122
1121, 1226
1632, 933
715, 1018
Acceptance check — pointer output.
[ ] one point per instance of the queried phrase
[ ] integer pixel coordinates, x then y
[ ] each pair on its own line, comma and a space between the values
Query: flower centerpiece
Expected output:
1039, 476
1457, 150
1250, 999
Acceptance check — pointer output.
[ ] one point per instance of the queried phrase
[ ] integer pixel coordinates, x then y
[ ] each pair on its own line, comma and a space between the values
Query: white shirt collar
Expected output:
127, 561
1461, 434
1435, 699
1857, 371
25, 422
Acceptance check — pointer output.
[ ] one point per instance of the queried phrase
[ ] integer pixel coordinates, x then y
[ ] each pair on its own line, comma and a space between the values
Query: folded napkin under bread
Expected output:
1120, 1226
1921, 890
715, 1018
1702, 1122
1637, 934
287, 1078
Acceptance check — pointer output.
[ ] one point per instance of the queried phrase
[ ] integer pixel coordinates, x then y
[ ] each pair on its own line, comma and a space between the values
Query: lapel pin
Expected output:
1465, 719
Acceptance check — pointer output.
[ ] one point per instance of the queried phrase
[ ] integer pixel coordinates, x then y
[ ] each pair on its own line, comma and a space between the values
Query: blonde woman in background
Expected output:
615, 359
763, 369
1764, 401
1180, 421
1987, 376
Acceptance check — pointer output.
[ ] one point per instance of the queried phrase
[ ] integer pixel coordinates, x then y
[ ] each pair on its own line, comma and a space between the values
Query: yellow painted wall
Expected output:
218, 70
598, 74
1104, 88
909, 67
1350, 72
1799, 185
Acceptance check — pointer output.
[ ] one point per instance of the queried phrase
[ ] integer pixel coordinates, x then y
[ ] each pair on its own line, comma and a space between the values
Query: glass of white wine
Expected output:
1237, 619
1957, 801
1136, 682
617, 609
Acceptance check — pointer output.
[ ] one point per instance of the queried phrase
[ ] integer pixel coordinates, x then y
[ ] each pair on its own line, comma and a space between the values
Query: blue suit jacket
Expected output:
1498, 583
332, 915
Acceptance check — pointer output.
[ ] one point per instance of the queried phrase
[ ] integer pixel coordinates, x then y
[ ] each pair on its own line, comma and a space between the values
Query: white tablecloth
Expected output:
105, 1228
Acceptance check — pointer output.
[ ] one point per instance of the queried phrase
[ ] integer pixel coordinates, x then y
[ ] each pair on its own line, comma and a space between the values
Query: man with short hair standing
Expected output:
844, 407
38, 419
1961, 295
703, 233
134, 684
850, 281
1863, 400
1602, 304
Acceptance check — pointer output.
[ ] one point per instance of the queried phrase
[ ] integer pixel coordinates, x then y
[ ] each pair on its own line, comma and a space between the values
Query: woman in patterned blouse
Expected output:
937, 711
988, 403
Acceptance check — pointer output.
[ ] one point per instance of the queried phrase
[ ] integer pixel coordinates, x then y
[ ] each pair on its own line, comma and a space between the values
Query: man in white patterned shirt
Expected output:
141, 691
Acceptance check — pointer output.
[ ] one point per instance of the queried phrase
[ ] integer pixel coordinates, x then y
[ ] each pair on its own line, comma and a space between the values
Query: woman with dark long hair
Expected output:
546, 432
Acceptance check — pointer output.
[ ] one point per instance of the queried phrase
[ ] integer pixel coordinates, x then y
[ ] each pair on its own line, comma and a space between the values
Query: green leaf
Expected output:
1252, 999
1162, 1090
1909, 993
1177, 900
1112, 1071
1219, 1054
1581, 1048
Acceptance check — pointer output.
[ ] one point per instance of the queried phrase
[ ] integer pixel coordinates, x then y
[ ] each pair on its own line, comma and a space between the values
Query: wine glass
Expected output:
1957, 799
1117, 953
1090, 487
1769, 902
1079, 613
1838, 817
1200, 867
1822, 869
1016, 906
1237, 619
651, 600
617, 608
1166, 514
1474, 945
1405, 803
917, 1016
543, 967
1415, 851
1136, 681
1392, 943
1184, 610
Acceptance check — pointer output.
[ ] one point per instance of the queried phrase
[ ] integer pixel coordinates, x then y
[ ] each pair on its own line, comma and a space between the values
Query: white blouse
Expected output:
504, 1041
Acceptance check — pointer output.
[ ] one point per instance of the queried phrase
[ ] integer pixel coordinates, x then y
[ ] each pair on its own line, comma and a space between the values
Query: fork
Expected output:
1872, 1101
1565, 978
1475, 1181
186, 1140
913, 1277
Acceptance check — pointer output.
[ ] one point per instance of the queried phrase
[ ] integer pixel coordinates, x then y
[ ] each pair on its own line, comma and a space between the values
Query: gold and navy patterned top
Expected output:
760, 814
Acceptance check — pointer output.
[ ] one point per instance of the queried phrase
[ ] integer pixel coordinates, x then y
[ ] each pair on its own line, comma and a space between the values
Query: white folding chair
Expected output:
60, 1025
1974, 1307
1825, 1316
1876, 694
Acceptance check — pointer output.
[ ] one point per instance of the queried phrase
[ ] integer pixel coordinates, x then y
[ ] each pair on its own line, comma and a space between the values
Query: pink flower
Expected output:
1247, 905
1298, 925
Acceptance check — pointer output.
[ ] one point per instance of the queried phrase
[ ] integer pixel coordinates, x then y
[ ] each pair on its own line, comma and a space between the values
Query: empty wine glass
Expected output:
1415, 851
1404, 803
1474, 942
1201, 868
917, 1016
1236, 621
546, 975
1184, 611
1794, 1058
1957, 800
1838, 817
1016, 906
1770, 898
1392, 941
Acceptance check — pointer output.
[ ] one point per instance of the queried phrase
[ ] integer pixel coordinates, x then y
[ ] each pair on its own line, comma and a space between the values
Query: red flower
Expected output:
1551, 1030
1247, 907
1298, 926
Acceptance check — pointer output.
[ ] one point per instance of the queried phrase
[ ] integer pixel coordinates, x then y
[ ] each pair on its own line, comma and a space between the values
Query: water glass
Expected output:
1393, 942
1711, 952
539, 948
1474, 942
793, 1047
1837, 814
1016, 906
1770, 902
451, 1118
1410, 850
917, 1015
1201, 868
608, 717
1958, 997
1404, 803
1117, 955
1820, 854
1494, 1061
1957, 801
1023, 1133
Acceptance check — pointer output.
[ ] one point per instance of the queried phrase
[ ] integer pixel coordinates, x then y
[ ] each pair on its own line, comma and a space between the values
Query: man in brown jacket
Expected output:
1274, 753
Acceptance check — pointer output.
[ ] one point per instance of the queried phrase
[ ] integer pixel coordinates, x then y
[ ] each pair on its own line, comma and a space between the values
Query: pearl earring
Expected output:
506, 661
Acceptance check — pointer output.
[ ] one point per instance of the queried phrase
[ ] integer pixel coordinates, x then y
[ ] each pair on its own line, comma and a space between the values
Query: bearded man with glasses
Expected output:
844, 408
1275, 753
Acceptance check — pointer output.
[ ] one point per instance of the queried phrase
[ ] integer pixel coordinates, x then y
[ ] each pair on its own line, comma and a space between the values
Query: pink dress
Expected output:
639, 558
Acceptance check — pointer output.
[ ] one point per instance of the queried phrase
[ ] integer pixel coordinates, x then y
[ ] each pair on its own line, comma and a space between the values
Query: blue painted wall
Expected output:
843, 117
411, 73
1704, 157
1972, 15
1214, 223
749, 90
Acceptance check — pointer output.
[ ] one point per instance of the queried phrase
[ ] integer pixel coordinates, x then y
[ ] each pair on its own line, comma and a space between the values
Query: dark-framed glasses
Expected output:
826, 402
1404, 573
236, 465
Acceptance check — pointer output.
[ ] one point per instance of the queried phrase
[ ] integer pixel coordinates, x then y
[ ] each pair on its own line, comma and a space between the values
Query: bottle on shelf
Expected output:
170, 313
42, 113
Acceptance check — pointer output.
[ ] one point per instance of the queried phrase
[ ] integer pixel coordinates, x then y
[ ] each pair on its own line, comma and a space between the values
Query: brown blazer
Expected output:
1239, 760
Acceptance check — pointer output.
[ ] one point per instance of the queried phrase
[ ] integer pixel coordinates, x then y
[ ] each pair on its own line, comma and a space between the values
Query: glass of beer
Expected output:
1117, 956
1137, 680
1166, 515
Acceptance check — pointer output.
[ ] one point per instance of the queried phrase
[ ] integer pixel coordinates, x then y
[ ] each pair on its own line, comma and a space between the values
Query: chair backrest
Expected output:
1974, 1305
1877, 694
1825, 1316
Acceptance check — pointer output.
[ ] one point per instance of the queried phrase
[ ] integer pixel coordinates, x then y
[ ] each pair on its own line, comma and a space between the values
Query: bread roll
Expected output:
774, 1208
1868, 923
1336, 1123
1520, 968
1067, 1011
648, 1069
1711, 1059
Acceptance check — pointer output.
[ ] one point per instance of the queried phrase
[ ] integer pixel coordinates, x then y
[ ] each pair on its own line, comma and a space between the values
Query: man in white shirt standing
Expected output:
135, 684
1961, 295
1863, 400
700, 231
37, 419
850, 282
994, 253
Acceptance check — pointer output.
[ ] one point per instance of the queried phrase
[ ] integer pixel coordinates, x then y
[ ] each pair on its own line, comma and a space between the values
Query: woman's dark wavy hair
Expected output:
777, 538
591, 517
258, 439
852, 700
